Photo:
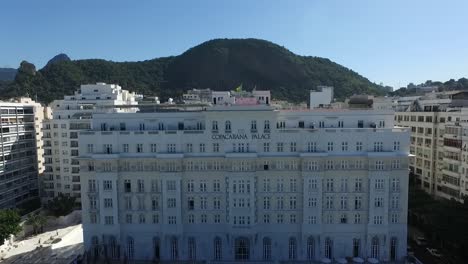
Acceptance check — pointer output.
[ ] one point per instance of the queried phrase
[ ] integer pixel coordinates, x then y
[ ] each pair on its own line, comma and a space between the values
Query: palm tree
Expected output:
37, 221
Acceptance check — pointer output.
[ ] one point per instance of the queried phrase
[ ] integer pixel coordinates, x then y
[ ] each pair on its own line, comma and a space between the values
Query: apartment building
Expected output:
243, 182
20, 153
437, 123
69, 116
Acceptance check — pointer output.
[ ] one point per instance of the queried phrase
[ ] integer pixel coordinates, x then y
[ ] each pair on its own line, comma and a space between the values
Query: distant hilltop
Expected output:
219, 64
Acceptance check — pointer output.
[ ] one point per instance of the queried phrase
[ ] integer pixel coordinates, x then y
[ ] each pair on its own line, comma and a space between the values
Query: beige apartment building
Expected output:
438, 140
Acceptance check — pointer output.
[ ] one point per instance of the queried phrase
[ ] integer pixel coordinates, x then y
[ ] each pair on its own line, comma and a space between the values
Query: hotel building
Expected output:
240, 181
69, 116
20, 152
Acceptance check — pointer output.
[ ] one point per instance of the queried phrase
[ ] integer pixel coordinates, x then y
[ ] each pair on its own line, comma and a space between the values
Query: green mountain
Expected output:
218, 64
7, 74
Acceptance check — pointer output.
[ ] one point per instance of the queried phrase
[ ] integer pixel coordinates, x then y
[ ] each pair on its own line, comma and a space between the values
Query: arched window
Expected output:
95, 245
356, 247
241, 248
292, 248
174, 248
227, 126
156, 248
217, 249
328, 248
393, 249
192, 249
114, 251
266, 248
375, 248
310, 248
130, 248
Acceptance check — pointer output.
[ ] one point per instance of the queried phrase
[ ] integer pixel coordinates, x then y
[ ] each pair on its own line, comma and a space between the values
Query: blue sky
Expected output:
394, 41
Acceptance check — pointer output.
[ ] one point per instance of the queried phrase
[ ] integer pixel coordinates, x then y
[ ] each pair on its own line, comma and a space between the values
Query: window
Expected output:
174, 249
395, 202
142, 219
127, 186
266, 218
266, 147
378, 220
329, 185
357, 218
154, 148
375, 248
344, 203
215, 147
128, 203
311, 146
312, 202
192, 249
202, 147
227, 126
343, 219
266, 125
293, 185
292, 252
130, 247
241, 249
312, 219
395, 164
292, 219
330, 146
378, 146
253, 125
396, 145
395, 185
310, 248
124, 148
172, 220
293, 203
217, 219
189, 148
107, 203
139, 148
378, 202
216, 186
171, 148
171, 203
357, 202
328, 248
90, 148
92, 203
266, 248
91, 185
394, 218
279, 147
191, 219
379, 165
107, 185
293, 147
329, 202
344, 146
155, 204
217, 248
379, 184
214, 125
141, 185
171, 185
109, 220
358, 185
356, 247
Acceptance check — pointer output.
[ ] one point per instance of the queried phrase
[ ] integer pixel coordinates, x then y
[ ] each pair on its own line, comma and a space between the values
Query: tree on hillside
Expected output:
62, 205
37, 221
9, 224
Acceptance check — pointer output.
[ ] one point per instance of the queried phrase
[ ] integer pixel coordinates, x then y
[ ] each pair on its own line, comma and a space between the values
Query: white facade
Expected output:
74, 113
21, 159
322, 96
245, 183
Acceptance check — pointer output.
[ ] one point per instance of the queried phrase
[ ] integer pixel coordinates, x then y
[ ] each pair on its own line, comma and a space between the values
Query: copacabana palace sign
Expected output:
240, 136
